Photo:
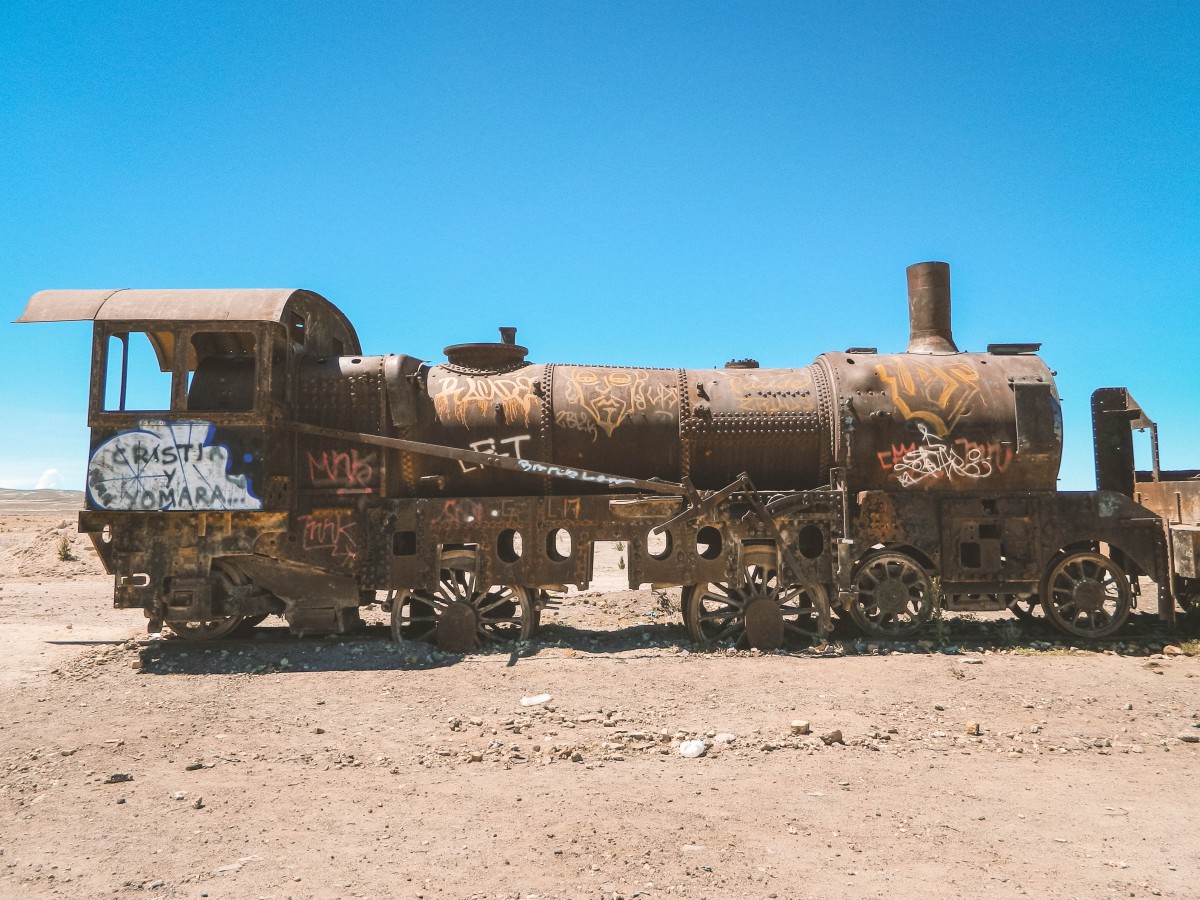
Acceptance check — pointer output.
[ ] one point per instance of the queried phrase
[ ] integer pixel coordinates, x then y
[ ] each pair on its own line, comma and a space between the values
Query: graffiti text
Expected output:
491, 446
331, 531
934, 459
938, 395
166, 466
349, 472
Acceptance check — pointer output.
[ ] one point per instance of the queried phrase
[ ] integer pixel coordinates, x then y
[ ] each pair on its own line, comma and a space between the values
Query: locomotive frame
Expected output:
284, 472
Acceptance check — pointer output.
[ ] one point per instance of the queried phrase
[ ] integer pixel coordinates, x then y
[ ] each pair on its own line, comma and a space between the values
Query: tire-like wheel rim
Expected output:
209, 630
895, 596
1086, 595
716, 612
223, 577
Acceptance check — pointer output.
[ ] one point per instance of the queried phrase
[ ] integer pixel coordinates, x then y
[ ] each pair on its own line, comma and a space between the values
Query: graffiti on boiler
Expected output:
604, 399
934, 459
938, 395
461, 398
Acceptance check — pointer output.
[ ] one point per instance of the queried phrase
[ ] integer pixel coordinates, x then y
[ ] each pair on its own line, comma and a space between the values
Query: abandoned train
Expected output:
278, 470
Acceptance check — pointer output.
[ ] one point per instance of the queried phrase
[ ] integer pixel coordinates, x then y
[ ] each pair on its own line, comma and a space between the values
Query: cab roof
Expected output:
164, 306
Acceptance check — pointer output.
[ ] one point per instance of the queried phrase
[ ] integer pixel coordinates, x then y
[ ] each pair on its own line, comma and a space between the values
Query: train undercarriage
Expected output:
756, 569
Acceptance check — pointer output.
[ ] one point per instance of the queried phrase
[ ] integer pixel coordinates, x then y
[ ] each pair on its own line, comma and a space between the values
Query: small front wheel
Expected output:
223, 576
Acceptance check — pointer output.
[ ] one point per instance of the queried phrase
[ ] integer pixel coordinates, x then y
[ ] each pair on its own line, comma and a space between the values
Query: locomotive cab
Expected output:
190, 394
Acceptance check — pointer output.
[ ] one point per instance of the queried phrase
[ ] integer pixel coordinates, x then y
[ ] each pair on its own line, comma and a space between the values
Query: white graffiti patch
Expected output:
166, 466
935, 459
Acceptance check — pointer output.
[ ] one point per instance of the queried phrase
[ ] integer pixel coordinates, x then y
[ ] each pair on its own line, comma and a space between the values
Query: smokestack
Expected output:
508, 335
929, 308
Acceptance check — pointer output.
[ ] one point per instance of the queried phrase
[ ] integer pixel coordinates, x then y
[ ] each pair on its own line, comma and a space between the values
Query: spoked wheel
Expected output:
1024, 606
758, 613
461, 614
223, 577
1086, 595
895, 596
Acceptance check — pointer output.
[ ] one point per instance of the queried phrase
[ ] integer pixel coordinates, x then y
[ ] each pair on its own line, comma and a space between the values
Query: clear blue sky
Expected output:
636, 183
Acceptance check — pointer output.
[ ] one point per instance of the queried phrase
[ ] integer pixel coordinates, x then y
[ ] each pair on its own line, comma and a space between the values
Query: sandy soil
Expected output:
281, 768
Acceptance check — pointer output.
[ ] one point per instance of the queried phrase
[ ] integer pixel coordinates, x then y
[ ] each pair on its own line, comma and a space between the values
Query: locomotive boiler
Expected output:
280, 470
930, 419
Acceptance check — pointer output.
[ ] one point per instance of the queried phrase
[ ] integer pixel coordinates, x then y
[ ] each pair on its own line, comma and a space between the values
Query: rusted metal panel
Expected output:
772, 423
1176, 497
305, 313
1114, 414
894, 518
1039, 420
943, 423
1185, 549
991, 539
143, 550
617, 419
1087, 517
401, 374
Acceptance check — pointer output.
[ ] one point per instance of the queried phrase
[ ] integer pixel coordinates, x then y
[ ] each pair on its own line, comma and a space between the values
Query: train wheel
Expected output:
209, 630
1086, 595
413, 619
758, 613
685, 611
1024, 606
895, 596
459, 615
222, 576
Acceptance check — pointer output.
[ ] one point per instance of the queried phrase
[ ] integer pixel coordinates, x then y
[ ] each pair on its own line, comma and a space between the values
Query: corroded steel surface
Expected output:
963, 422
238, 305
929, 308
288, 473
1172, 495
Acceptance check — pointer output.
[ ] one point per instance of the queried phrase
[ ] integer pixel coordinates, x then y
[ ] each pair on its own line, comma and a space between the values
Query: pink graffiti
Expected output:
347, 471
331, 531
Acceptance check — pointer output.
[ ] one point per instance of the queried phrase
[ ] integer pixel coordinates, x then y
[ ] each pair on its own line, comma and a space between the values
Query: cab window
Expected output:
221, 371
136, 377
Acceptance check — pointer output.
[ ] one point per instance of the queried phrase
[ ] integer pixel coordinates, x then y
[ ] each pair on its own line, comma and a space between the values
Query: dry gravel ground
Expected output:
358, 768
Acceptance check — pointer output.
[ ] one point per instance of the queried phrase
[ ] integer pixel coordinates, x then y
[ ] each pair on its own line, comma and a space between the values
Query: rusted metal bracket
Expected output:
698, 503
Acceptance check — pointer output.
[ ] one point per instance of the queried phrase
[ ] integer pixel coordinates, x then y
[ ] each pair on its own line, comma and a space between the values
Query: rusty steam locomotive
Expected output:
281, 471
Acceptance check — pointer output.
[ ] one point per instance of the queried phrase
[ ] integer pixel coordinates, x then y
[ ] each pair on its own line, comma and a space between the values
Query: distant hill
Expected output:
12, 501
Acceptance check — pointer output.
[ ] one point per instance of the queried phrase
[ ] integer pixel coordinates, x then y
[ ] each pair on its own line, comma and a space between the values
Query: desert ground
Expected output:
989, 760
